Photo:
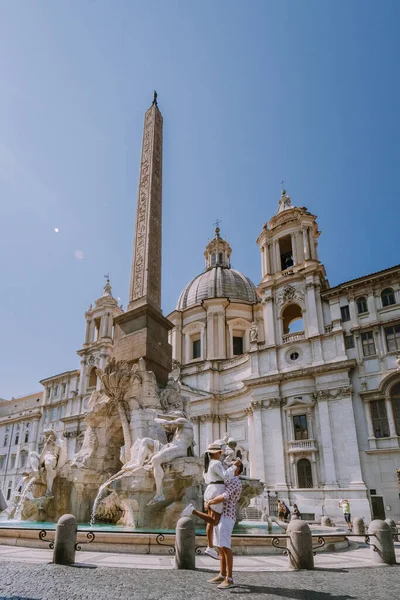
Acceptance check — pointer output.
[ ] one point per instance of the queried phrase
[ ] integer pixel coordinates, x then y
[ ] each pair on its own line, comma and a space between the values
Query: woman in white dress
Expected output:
215, 475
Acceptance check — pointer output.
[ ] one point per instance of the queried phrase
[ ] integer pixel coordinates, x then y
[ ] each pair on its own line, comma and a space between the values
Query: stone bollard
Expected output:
326, 522
383, 541
185, 544
64, 544
300, 545
393, 527
358, 526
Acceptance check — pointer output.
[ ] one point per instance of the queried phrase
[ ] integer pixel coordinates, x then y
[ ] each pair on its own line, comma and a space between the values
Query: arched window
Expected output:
304, 473
292, 319
93, 378
362, 306
387, 297
395, 395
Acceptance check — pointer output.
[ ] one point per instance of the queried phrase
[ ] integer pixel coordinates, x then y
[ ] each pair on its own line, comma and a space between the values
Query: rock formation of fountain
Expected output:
137, 465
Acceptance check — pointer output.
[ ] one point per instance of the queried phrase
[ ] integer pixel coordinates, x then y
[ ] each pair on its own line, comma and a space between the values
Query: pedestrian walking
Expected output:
345, 506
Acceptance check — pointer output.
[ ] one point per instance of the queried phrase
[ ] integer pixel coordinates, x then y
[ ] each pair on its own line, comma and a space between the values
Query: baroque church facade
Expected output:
305, 377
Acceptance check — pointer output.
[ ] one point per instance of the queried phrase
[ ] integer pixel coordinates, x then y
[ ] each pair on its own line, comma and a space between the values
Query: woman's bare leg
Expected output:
212, 520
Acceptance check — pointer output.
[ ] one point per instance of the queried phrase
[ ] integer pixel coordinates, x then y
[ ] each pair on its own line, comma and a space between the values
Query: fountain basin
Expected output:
245, 540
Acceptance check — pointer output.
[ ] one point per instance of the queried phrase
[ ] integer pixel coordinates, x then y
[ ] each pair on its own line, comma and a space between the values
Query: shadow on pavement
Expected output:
295, 594
17, 598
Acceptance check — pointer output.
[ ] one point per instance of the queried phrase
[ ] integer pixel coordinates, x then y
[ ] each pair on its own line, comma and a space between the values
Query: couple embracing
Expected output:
221, 496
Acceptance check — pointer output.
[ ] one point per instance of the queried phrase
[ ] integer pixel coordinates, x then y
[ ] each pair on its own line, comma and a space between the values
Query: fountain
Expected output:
137, 465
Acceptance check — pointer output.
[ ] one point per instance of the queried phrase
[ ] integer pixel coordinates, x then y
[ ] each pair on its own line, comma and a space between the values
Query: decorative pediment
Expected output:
193, 327
298, 400
241, 323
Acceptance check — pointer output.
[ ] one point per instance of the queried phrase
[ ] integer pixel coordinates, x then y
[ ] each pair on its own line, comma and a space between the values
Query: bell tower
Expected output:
292, 276
98, 344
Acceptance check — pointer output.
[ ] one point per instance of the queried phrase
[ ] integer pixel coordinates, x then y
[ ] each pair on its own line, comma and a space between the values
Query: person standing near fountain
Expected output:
215, 475
223, 531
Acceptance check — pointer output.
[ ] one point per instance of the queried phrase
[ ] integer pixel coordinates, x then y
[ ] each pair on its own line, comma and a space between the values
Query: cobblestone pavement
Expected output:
22, 581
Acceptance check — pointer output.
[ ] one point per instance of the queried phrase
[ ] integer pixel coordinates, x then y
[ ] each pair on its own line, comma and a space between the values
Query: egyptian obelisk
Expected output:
142, 331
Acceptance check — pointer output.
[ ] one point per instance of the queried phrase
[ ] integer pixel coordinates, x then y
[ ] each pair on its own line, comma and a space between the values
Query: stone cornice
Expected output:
60, 375
34, 415
360, 283
300, 373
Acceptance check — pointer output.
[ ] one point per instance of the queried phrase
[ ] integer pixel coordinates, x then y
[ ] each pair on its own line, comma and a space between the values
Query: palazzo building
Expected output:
306, 377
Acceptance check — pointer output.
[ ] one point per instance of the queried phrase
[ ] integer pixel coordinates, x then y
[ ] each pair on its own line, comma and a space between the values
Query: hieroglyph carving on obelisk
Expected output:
146, 266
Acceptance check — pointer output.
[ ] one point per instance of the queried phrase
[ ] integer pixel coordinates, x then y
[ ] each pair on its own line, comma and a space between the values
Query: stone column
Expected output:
269, 320
390, 417
306, 244
263, 261
326, 442
268, 259
294, 249
276, 431
312, 317
88, 329
252, 449
187, 348
210, 336
370, 427
352, 452
371, 305
277, 257
259, 466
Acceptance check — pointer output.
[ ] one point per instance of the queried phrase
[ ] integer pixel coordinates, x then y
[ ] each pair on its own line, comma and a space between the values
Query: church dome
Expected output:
219, 280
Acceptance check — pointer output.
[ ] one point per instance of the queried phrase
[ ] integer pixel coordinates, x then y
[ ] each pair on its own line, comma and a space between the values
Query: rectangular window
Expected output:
64, 387
300, 427
62, 412
12, 461
349, 341
9, 490
196, 348
26, 440
5, 440
392, 338
56, 391
22, 459
2, 461
345, 312
16, 441
54, 413
368, 344
379, 418
237, 345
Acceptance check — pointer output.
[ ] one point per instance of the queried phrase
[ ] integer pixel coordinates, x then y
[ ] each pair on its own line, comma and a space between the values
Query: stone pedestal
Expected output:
143, 333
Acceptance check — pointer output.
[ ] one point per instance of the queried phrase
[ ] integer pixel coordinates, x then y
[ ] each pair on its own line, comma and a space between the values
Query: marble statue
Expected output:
153, 455
398, 361
52, 458
254, 332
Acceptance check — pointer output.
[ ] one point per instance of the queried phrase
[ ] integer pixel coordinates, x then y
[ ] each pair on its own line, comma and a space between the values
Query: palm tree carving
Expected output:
115, 379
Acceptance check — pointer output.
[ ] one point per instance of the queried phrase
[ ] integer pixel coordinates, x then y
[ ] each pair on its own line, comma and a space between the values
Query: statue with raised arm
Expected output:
52, 458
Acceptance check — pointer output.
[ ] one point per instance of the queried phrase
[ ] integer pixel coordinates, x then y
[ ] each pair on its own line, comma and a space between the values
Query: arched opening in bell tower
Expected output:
286, 252
292, 318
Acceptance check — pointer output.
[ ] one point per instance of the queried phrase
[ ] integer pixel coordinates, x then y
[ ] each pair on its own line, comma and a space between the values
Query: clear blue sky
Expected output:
251, 93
